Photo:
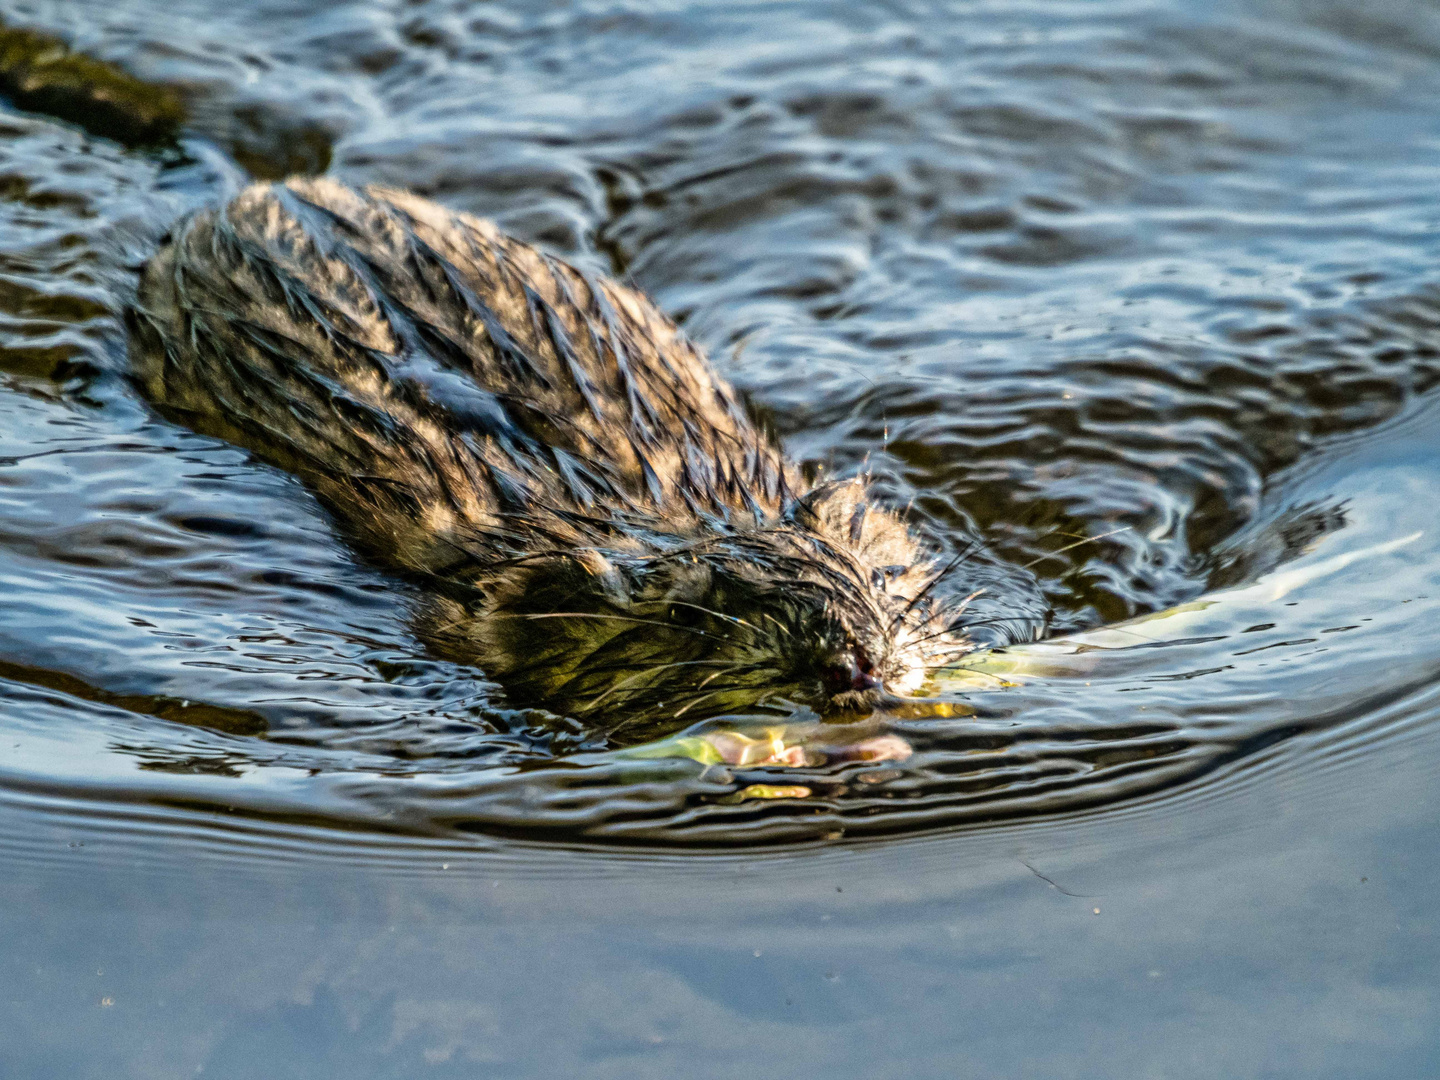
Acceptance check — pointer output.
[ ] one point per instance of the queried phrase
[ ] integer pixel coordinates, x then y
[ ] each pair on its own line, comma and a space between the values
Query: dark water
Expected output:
1048, 270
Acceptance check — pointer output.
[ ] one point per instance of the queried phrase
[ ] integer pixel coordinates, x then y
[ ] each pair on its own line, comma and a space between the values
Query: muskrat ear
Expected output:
689, 582
842, 512
839, 507
612, 582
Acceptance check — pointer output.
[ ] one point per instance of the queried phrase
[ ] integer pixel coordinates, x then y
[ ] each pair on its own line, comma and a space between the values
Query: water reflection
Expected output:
1134, 271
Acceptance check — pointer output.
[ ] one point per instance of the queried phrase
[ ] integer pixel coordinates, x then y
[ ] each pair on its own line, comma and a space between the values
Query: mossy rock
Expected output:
38, 72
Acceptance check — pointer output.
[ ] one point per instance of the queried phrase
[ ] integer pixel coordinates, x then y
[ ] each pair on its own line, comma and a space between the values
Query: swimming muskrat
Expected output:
604, 529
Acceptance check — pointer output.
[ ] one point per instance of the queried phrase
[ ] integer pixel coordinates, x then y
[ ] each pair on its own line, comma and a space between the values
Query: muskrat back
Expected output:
605, 530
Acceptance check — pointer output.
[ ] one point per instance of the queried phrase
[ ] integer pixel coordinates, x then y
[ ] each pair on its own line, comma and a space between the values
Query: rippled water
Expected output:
1157, 271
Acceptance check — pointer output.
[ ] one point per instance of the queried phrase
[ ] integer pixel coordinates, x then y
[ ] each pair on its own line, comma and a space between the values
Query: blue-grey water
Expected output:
1167, 273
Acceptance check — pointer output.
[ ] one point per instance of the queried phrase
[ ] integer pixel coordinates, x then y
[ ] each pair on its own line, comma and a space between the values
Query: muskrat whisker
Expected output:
623, 684
630, 665
716, 674
671, 693
987, 674
550, 659
925, 589
724, 618
948, 611
1070, 547
999, 620
778, 624
599, 615
703, 697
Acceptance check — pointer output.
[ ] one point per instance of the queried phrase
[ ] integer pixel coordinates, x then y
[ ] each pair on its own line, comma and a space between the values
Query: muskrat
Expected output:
604, 529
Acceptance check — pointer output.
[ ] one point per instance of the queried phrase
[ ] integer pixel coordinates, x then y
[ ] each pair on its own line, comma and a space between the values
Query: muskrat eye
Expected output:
684, 615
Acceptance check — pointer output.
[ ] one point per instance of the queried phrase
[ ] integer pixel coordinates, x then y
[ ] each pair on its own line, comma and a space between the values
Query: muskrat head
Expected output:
828, 607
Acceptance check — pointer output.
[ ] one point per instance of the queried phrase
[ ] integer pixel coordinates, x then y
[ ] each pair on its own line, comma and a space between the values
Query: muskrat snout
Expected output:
850, 672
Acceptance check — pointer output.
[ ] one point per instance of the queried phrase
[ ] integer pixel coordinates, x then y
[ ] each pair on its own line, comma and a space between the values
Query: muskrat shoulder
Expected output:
605, 530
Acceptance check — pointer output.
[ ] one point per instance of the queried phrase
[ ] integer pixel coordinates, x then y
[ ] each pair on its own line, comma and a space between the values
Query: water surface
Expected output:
1047, 271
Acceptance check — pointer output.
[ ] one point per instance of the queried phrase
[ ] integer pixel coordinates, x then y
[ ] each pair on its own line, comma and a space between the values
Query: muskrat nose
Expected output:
863, 680
851, 671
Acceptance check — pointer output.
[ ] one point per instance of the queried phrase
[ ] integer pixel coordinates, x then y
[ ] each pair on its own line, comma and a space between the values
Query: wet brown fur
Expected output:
607, 532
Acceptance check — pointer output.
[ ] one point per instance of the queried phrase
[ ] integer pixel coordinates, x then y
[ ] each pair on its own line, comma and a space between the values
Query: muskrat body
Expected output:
606, 532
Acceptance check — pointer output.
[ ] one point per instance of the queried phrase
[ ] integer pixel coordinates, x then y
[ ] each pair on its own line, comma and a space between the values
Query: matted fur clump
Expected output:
606, 532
